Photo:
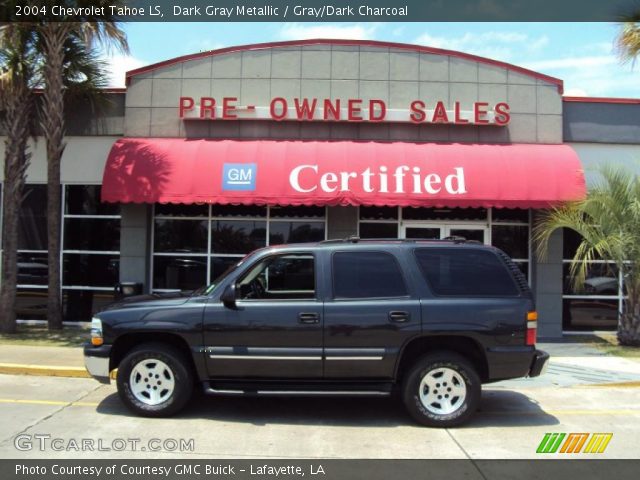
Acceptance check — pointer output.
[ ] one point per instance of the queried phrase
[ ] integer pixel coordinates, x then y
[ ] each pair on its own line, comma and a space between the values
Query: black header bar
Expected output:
317, 469
328, 10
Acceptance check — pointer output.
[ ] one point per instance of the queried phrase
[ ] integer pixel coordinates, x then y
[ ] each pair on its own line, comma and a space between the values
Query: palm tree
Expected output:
608, 221
17, 76
92, 32
628, 41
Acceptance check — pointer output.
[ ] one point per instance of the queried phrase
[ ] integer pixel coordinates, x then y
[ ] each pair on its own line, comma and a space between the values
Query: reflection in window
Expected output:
601, 279
296, 212
457, 214
234, 231
181, 210
237, 236
32, 227
81, 305
90, 270
238, 211
583, 311
513, 240
589, 314
378, 213
510, 215
182, 236
179, 273
295, 232
85, 200
281, 277
33, 269
31, 304
93, 234
291, 273
378, 230
220, 265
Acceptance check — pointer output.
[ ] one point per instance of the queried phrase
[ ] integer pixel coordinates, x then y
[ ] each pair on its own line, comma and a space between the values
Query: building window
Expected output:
378, 222
195, 244
595, 304
90, 251
33, 273
507, 229
90, 239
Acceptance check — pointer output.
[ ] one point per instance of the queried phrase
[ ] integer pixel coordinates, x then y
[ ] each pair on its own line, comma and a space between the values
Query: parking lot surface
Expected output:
74, 413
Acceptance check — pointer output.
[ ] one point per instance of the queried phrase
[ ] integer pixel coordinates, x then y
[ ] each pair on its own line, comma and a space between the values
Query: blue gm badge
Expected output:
239, 176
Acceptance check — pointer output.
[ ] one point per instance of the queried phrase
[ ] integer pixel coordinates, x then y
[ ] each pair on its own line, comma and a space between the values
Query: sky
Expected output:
581, 54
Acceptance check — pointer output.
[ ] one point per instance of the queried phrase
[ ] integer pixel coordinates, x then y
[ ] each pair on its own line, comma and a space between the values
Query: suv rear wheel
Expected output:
154, 380
442, 389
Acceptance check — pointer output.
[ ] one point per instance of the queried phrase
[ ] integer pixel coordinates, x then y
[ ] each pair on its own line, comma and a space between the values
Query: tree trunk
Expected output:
16, 124
54, 35
629, 324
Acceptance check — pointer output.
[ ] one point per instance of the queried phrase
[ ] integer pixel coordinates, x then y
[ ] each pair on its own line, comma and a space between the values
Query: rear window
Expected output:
465, 272
367, 275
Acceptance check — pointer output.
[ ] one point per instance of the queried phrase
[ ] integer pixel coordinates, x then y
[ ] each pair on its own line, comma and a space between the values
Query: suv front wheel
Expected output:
154, 380
442, 390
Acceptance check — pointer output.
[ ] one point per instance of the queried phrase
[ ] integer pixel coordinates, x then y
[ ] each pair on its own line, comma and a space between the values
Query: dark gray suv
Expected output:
433, 320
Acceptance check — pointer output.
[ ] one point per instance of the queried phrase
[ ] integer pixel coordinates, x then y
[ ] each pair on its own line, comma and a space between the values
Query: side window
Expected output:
465, 272
367, 275
280, 277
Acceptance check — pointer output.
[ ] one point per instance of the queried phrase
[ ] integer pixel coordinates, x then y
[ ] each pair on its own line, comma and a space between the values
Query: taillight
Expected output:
532, 327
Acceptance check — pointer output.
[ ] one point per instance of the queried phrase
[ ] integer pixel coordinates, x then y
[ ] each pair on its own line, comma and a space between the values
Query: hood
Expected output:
151, 300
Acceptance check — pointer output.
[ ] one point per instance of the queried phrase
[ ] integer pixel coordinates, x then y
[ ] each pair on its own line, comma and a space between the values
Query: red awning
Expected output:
171, 170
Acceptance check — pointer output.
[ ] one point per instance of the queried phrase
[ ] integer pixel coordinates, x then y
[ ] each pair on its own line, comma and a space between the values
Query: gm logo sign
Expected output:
239, 176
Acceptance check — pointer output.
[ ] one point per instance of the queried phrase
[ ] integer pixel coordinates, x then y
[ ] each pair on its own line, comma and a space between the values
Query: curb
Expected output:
45, 371
630, 384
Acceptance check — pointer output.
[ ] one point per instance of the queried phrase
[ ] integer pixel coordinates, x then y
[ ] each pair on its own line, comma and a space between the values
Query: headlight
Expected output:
96, 332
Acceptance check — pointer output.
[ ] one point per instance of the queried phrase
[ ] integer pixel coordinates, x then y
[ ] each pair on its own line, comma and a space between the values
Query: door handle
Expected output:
398, 316
308, 317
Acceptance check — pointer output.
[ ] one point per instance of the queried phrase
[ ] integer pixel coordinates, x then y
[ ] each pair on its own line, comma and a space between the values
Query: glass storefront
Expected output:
593, 305
194, 244
90, 252
507, 229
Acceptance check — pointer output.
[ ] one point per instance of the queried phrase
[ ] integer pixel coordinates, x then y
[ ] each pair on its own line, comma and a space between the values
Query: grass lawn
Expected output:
39, 335
607, 343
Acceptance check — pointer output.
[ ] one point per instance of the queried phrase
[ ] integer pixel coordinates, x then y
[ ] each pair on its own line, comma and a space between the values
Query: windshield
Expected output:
207, 289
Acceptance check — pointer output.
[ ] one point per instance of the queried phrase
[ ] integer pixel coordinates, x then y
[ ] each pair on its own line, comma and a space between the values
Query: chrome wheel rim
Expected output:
442, 391
152, 381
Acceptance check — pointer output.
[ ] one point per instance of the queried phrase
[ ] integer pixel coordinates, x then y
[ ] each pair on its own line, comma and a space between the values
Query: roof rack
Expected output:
356, 239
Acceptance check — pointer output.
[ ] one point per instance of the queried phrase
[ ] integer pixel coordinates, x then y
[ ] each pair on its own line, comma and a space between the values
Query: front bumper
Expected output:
96, 361
539, 364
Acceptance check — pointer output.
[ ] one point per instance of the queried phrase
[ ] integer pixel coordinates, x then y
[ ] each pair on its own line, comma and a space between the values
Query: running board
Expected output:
296, 393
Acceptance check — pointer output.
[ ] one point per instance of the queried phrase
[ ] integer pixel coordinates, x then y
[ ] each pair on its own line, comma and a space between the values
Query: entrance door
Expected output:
437, 231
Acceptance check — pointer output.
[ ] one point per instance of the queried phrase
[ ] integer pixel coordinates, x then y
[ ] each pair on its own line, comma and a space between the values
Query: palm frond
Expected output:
628, 41
608, 221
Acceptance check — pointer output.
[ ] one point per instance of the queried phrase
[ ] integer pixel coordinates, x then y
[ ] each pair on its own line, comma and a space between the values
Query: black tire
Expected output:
180, 371
467, 402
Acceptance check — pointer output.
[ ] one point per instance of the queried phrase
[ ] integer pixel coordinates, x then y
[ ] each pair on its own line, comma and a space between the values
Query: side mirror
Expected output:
228, 297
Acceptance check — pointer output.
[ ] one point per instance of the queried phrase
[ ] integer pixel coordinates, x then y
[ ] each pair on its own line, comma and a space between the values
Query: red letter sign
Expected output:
186, 103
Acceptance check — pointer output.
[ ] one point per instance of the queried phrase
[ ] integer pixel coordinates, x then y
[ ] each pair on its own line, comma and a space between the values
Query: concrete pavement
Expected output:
513, 417
510, 424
